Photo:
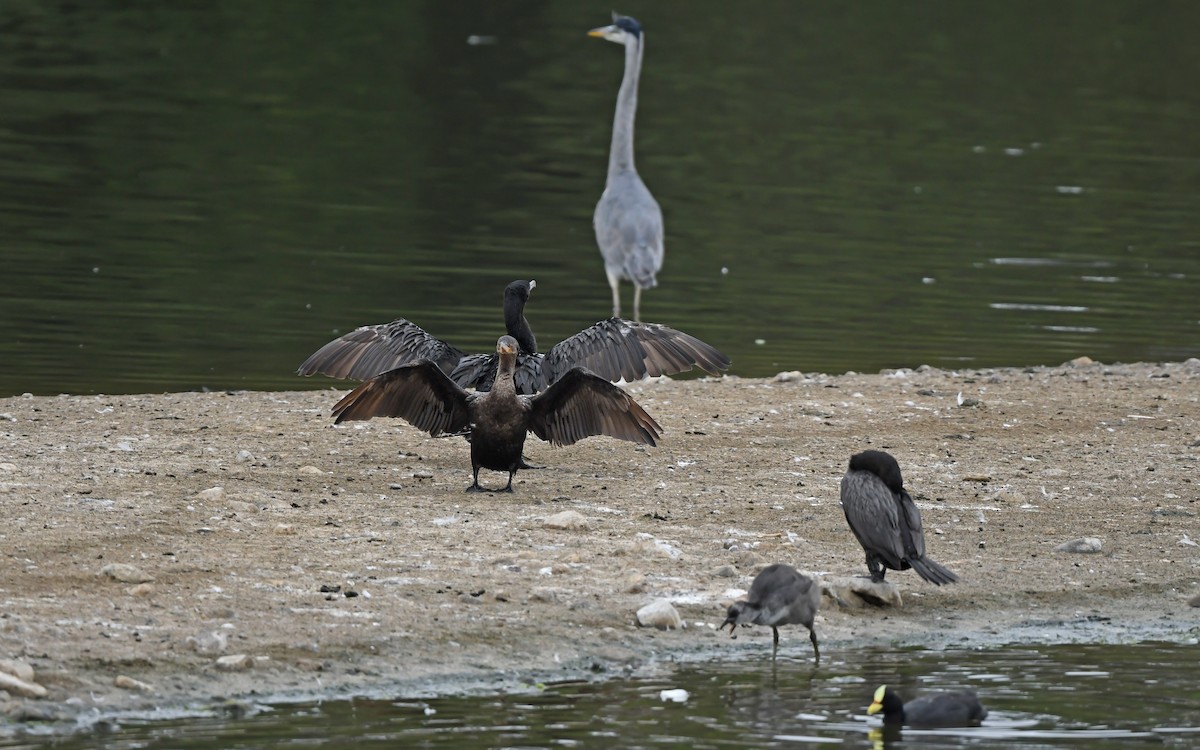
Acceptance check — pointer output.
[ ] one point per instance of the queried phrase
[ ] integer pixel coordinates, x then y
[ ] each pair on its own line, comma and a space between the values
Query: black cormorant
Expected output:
885, 520
779, 595
956, 709
612, 349
575, 406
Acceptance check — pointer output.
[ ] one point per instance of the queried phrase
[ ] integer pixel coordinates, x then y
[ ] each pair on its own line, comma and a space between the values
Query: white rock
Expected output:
128, 683
568, 520
126, 573
660, 614
235, 662
243, 456
310, 470
677, 695
858, 591
17, 686
212, 493
208, 643
18, 669
1085, 545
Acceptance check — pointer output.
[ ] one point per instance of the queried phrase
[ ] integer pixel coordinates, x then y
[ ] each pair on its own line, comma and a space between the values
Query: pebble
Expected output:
18, 669
310, 470
210, 643
235, 662
725, 571
634, 583
283, 529
660, 614
128, 683
677, 695
243, 456
210, 494
568, 520
859, 591
141, 589
126, 573
1194, 601
1084, 545
17, 686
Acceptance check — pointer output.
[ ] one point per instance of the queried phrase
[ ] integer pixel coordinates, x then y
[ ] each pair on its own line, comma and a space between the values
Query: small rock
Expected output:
1008, 497
788, 376
422, 475
660, 614
211, 494
677, 695
243, 456
545, 595
725, 571
1081, 362
126, 573
141, 589
977, 478
128, 683
859, 591
568, 520
634, 583
17, 686
1084, 545
283, 529
235, 662
314, 471
208, 643
1194, 601
18, 669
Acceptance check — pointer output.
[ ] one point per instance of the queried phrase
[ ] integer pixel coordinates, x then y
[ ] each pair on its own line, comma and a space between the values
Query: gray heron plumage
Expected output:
628, 221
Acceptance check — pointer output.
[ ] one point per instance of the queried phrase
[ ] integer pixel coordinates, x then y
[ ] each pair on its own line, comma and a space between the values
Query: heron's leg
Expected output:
812, 636
637, 304
615, 283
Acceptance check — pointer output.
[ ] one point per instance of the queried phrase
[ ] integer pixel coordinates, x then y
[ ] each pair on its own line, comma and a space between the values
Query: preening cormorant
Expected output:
779, 595
612, 349
627, 220
575, 406
956, 709
885, 519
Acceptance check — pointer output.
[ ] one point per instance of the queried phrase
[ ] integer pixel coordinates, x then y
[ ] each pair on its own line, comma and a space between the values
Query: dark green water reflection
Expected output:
1093, 696
200, 194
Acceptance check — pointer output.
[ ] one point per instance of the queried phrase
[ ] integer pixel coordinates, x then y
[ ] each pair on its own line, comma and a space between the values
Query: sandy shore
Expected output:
180, 549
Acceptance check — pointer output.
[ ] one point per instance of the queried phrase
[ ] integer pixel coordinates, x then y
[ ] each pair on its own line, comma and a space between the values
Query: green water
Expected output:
201, 194
1049, 696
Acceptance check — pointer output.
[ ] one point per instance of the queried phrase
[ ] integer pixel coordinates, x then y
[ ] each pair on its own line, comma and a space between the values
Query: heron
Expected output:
628, 221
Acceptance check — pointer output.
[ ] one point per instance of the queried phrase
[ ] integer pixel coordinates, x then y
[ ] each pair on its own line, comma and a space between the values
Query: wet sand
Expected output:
183, 549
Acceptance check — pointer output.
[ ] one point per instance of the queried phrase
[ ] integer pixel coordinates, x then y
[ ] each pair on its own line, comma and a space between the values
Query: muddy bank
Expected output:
179, 549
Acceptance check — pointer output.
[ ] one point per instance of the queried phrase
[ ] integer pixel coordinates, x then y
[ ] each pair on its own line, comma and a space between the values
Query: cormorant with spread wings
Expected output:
577, 405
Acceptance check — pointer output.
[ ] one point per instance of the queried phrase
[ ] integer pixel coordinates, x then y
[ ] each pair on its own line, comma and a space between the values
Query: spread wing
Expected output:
873, 514
618, 348
478, 371
581, 404
421, 394
370, 350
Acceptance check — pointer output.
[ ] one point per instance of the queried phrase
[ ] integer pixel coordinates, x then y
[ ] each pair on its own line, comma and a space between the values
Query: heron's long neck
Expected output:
516, 326
620, 157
